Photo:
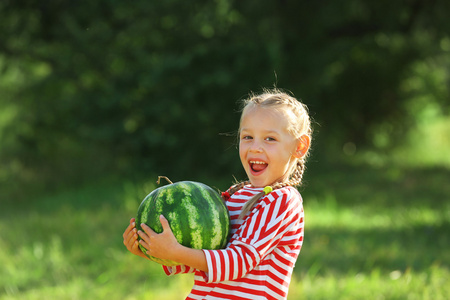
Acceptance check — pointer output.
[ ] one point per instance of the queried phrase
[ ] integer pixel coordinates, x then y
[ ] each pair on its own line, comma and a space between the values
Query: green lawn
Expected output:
370, 234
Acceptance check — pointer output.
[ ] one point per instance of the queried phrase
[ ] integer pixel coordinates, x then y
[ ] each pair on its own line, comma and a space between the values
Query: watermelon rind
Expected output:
197, 216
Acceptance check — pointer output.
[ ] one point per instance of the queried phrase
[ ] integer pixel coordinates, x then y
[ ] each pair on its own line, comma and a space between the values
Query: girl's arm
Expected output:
165, 246
274, 227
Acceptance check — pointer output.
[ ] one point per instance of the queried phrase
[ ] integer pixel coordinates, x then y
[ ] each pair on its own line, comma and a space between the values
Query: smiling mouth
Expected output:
257, 166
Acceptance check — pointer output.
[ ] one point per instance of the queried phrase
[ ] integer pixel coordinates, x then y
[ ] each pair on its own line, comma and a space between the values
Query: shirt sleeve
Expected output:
179, 269
275, 216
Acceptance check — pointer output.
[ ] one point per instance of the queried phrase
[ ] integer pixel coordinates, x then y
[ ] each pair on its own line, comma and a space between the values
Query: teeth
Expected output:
258, 162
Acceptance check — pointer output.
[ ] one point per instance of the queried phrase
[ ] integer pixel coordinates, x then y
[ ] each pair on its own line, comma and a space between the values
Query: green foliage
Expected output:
114, 86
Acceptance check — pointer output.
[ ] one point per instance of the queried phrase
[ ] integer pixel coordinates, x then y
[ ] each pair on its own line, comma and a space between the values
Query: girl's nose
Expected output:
256, 147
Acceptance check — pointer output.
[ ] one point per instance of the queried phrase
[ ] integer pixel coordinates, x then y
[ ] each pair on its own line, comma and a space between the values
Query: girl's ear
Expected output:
302, 146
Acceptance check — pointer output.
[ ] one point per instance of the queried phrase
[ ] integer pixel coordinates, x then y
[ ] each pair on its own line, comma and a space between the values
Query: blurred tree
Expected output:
95, 85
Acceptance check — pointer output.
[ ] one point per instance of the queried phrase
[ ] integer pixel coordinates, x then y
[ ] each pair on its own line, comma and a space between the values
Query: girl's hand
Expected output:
163, 245
130, 239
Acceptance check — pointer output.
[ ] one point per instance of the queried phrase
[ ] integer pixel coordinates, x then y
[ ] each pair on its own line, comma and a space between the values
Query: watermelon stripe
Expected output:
192, 214
208, 203
216, 228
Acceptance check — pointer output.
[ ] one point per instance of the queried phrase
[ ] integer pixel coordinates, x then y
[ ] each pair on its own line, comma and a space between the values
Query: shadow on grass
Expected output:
382, 187
401, 196
343, 251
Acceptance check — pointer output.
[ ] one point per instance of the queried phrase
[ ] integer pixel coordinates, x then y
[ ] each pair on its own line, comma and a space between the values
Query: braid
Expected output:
237, 187
296, 177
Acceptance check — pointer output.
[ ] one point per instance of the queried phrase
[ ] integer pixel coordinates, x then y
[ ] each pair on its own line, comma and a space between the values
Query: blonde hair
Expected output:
300, 124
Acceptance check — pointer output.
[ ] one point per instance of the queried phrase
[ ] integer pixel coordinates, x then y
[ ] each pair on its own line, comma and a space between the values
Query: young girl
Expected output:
266, 211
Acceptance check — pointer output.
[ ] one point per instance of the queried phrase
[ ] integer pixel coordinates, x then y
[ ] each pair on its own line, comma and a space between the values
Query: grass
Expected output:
377, 236
370, 234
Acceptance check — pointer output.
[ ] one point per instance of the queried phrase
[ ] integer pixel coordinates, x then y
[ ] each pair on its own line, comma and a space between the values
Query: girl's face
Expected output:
266, 148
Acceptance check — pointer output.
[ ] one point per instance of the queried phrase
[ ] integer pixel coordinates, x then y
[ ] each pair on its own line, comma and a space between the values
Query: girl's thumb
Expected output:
164, 223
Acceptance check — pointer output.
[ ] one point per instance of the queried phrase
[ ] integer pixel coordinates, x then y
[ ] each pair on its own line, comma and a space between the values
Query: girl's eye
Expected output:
270, 139
246, 137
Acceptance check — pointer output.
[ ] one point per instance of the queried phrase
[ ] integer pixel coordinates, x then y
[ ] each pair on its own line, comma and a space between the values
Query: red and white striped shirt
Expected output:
260, 256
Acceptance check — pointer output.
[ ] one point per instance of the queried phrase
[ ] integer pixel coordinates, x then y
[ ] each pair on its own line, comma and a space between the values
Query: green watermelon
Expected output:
196, 213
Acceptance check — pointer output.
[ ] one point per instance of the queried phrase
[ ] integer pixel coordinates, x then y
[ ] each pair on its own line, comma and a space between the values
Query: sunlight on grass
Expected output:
429, 285
368, 235
426, 145
326, 213
73, 250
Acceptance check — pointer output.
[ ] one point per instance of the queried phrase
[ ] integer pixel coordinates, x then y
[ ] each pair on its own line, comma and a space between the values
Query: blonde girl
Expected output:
266, 211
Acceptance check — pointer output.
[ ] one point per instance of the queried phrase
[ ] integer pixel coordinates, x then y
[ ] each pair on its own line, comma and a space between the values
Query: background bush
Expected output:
88, 87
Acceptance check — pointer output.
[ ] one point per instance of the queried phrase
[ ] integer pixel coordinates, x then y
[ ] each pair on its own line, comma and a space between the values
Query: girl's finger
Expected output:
132, 236
135, 246
127, 230
144, 244
164, 223
126, 236
144, 236
147, 229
